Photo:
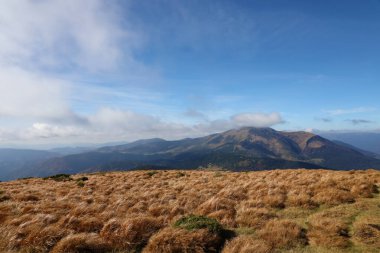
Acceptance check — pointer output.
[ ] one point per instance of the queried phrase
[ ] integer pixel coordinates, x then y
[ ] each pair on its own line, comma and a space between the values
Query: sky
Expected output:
97, 71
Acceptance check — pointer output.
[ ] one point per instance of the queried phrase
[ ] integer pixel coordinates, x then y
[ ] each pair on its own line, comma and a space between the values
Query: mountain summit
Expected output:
247, 148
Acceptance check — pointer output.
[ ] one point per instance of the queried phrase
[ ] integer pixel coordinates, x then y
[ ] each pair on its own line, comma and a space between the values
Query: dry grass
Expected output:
173, 240
328, 232
247, 244
132, 233
269, 211
283, 234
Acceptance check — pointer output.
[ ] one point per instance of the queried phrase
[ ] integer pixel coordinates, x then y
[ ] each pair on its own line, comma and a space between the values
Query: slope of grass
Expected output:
176, 211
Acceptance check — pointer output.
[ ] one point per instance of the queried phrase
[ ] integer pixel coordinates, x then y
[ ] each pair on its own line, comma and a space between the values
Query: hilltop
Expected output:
193, 211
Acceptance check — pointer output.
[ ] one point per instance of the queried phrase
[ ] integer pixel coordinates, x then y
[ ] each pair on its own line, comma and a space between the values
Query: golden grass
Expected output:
247, 244
283, 234
173, 240
268, 211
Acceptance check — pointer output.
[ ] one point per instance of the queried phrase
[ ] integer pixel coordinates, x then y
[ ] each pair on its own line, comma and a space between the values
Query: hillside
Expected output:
193, 211
239, 149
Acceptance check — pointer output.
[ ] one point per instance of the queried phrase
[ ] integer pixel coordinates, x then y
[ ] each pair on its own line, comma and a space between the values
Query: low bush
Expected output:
193, 222
151, 173
180, 174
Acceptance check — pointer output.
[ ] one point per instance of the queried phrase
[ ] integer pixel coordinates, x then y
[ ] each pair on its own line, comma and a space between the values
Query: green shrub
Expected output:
218, 174
193, 222
60, 177
25, 178
180, 174
151, 173
80, 181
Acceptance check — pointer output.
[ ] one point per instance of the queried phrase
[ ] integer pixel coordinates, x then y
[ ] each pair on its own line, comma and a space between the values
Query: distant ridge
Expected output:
20, 162
247, 148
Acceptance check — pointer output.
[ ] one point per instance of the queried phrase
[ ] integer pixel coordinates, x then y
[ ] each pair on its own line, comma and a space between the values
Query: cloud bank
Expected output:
110, 124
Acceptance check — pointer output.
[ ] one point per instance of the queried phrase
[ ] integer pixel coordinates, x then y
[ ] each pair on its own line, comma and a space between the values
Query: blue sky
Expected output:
98, 71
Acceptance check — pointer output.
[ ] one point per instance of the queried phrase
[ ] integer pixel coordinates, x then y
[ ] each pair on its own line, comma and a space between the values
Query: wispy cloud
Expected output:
359, 121
325, 120
351, 111
192, 113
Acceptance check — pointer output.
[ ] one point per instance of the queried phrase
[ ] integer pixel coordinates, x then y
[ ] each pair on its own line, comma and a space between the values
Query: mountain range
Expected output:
238, 149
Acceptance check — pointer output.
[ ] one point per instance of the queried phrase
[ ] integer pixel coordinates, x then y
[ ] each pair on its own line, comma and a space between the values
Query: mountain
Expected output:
239, 149
16, 163
362, 140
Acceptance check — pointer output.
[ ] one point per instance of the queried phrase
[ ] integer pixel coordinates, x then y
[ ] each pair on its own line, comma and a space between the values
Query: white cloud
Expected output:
44, 130
61, 34
44, 42
25, 94
310, 130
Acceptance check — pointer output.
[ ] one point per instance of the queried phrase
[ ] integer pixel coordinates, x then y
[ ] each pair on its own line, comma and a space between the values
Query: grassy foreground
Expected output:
193, 211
